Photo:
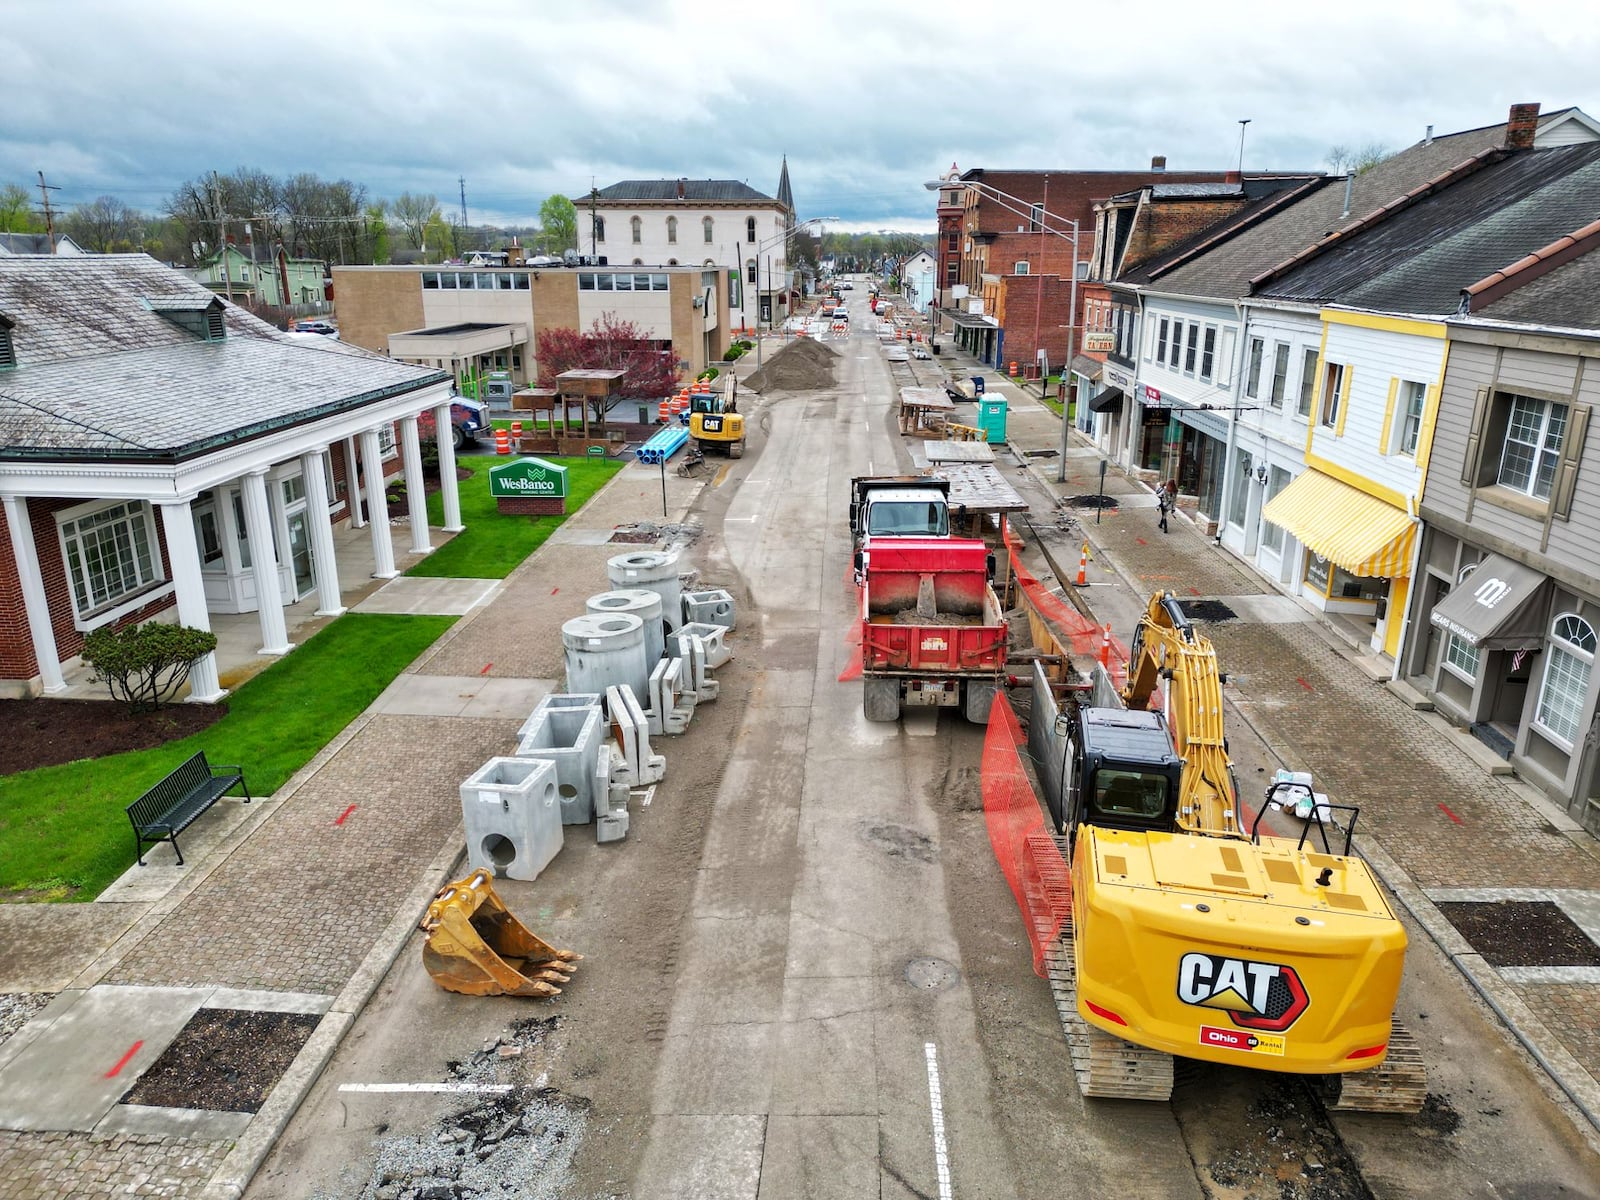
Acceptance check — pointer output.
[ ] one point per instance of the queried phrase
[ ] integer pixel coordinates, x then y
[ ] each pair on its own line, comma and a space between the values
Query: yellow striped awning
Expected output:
1364, 535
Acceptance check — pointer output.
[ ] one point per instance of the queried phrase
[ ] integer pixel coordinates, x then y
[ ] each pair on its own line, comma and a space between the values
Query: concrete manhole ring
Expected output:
931, 974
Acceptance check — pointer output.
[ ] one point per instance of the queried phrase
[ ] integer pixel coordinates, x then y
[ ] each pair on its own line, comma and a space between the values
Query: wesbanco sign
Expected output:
528, 477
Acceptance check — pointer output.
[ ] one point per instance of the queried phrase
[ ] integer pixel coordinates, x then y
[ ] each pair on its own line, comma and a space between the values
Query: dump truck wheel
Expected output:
880, 699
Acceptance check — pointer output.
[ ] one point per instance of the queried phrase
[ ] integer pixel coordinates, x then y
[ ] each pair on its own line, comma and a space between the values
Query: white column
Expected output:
416, 491
264, 563
377, 506
352, 490
449, 486
183, 553
34, 600
324, 565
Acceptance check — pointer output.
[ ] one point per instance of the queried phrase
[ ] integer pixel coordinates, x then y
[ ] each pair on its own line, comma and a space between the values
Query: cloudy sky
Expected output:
867, 98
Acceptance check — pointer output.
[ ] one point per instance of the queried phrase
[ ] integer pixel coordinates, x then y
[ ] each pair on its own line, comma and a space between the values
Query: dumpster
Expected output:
992, 419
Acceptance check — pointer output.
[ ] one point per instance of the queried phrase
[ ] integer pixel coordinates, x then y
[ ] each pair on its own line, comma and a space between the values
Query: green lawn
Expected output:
63, 832
493, 544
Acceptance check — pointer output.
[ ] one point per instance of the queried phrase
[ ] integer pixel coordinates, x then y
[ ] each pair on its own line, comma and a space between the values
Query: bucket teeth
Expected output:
476, 947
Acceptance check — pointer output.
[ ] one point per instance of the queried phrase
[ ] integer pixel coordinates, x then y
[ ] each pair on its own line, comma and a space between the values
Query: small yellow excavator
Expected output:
476, 947
1192, 936
715, 421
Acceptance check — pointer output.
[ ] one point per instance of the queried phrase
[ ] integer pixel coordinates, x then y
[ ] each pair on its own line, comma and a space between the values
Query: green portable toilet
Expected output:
992, 418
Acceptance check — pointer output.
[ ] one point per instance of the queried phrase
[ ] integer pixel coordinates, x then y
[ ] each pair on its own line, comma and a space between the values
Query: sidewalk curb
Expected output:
1523, 1026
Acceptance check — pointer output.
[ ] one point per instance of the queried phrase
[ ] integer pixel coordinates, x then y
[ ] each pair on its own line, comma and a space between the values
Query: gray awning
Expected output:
1106, 400
1496, 607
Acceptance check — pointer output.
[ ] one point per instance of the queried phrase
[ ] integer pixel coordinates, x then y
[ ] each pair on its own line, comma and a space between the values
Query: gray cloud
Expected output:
867, 99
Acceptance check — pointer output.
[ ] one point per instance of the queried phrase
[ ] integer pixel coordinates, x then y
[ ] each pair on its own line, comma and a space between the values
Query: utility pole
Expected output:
462, 180
594, 197
49, 213
1242, 123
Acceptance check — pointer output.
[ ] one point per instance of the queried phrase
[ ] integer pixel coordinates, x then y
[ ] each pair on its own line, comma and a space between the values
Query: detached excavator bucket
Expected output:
476, 947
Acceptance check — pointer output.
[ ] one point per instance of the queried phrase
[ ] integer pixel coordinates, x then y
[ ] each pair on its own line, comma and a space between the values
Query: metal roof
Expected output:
1420, 257
657, 190
100, 375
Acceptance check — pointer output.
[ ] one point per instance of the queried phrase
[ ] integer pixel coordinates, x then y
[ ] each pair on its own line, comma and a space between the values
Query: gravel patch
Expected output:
18, 1008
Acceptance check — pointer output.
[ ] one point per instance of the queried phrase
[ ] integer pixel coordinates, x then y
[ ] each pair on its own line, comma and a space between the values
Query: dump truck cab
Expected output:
896, 506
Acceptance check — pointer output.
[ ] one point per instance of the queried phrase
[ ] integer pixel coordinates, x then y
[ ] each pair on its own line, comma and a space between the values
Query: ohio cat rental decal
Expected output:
1261, 999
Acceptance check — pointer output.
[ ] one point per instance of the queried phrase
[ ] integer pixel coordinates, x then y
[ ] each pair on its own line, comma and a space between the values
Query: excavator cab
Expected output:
1121, 772
714, 420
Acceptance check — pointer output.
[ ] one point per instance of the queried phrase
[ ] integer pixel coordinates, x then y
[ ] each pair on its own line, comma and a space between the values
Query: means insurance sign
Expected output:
530, 477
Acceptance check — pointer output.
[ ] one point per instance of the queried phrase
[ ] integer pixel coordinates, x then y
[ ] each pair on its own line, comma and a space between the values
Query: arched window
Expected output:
749, 229
672, 231
1567, 667
706, 225
638, 230
750, 272
599, 229
672, 262
638, 262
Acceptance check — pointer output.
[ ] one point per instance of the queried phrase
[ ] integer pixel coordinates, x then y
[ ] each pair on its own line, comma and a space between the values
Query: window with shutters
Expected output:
1332, 395
1409, 403
1523, 451
1567, 666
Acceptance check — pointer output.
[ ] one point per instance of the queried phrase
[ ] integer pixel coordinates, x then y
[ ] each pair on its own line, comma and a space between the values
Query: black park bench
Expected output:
170, 807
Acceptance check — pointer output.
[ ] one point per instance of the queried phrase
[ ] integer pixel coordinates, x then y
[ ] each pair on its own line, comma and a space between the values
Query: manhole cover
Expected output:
1522, 933
1208, 610
1092, 501
930, 974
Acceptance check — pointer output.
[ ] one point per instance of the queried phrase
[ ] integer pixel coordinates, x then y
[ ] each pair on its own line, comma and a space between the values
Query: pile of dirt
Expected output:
803, 365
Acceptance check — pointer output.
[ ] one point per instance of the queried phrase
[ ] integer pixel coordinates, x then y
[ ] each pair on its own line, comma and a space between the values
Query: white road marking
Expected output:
427, 1087
941, 1151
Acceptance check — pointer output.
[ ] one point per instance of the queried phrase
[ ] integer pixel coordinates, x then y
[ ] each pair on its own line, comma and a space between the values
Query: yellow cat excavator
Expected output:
1193, 936
714, 419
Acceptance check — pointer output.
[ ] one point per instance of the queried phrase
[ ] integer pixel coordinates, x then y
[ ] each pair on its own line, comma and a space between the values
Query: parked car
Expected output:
323, 327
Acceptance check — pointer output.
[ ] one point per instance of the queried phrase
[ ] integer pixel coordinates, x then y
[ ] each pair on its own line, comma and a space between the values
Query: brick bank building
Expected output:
167, 456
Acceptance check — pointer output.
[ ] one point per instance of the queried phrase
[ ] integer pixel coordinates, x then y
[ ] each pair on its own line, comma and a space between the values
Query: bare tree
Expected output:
1357, 161
105, 225
413, 213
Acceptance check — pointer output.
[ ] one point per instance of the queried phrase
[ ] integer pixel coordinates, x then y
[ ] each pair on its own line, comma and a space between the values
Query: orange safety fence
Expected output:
1028, 858
1058, 627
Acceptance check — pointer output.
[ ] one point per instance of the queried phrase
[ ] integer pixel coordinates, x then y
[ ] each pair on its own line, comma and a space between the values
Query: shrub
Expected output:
145, 665
733, 354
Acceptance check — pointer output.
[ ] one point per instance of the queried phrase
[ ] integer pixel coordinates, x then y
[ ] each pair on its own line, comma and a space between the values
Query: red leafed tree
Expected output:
609, 343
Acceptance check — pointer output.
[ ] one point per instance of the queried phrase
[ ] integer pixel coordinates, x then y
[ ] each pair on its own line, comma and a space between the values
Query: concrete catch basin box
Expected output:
512, 813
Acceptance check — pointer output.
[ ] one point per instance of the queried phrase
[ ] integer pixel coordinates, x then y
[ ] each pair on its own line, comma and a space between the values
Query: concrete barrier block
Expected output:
611, 813
631, 730
714, 636
511, 808
668, 713
711, 607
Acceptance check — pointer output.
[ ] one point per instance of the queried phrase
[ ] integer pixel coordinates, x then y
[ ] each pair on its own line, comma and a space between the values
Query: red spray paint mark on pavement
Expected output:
486, 667
1194, 591
1304, 684
341, 817
554, 590
1445, 809
1141, 541
124, 1060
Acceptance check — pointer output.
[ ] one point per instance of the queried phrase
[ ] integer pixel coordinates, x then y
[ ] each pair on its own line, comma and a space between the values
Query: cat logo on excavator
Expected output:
1257, 995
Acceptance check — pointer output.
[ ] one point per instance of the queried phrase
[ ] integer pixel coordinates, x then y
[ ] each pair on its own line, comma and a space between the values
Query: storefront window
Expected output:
1238, 501
1317, 571
1336, 583
1272, 535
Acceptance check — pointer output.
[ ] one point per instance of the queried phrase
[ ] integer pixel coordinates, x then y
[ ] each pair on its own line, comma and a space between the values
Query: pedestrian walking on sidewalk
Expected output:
1166, 500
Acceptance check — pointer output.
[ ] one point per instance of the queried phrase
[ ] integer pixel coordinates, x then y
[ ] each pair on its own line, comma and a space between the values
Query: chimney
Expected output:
1233, 177
1158, 162
1521, 126
1427, 138
680, 189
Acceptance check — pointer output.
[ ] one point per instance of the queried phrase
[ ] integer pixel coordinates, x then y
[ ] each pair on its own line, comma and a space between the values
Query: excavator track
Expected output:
1105, 1066
1399, 1084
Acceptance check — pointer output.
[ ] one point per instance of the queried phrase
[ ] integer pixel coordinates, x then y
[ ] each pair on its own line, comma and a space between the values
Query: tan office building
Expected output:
481, 319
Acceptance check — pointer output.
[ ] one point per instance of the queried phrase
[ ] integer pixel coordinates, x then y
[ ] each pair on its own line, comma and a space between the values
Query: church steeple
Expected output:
785, 195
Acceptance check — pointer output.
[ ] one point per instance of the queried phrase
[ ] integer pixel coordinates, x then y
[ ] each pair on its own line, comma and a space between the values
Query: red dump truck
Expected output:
932, 631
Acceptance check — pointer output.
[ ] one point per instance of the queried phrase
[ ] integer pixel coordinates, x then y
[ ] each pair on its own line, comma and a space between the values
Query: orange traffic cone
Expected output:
1083, 568
502, 441
1105, 647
